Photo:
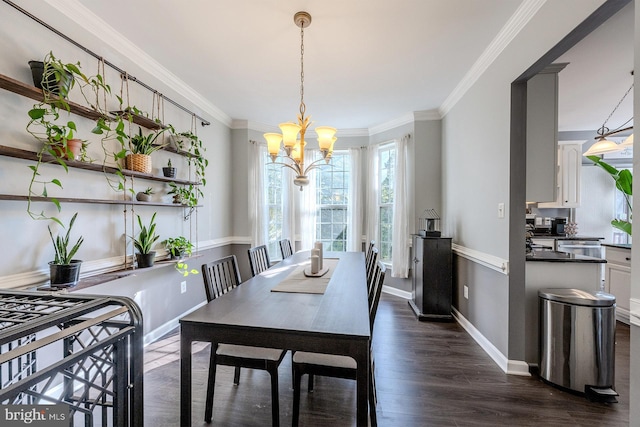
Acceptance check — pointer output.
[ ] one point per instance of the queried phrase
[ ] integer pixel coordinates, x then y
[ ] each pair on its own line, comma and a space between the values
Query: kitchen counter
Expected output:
554, 256
618, 245
558, 237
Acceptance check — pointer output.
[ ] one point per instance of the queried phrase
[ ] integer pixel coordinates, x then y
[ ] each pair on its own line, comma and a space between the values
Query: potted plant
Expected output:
57, 137
624, 182
144, 196
146, 238
140, 147
64, 270
169, 171
178, 247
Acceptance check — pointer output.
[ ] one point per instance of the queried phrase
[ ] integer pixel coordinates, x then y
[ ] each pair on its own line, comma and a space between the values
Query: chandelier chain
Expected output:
606, 129
303, 107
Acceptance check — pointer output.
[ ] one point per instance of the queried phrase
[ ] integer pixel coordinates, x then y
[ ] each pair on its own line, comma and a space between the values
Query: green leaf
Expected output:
56, 182
37, 113
622, 225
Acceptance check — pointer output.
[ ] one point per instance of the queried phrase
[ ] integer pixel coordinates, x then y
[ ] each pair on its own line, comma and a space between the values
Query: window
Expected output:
274, 198
621, 211
332, 198
386, 174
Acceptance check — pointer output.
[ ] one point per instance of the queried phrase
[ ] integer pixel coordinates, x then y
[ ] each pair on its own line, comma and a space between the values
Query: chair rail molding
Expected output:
491, 261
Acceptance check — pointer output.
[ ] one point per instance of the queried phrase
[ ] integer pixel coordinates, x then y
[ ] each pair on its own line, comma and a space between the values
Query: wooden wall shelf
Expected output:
15, 86
91, 201
31, 155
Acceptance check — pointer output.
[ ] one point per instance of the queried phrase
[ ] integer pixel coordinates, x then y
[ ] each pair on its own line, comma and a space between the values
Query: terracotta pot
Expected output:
73, 145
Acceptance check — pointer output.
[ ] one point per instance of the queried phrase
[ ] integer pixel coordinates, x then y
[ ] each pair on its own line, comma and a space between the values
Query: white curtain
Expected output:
354, 208
308, 206
257, 214
372, 194
402, 210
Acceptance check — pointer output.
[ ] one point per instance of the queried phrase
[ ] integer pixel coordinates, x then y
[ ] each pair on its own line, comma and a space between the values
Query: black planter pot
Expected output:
177, 254
169, 172
64, 275
51, 85
146, 260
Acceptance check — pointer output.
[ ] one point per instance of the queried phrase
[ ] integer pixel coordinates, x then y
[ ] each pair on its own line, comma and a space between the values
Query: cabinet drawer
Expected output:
618, 256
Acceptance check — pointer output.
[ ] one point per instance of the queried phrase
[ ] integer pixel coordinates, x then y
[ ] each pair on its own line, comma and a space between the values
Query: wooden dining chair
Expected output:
259, 259
285, 248
222, 276
337, 366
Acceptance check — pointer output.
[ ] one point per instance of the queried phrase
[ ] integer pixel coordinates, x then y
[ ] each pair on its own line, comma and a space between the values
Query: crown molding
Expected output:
516, 23
87, 20
427, 115
392, 124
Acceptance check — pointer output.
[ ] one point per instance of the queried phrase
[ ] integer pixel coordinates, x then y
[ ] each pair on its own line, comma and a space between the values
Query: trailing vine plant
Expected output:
46, 126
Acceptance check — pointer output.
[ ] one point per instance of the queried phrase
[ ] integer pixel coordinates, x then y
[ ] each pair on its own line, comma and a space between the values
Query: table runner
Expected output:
296, 281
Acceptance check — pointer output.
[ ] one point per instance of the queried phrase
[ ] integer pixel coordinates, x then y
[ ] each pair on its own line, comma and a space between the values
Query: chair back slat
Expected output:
259, 259
374, 295
285, 248
371, 266
220, 276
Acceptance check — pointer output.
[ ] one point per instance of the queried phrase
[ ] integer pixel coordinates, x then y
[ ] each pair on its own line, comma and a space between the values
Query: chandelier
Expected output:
294, 147
604, 145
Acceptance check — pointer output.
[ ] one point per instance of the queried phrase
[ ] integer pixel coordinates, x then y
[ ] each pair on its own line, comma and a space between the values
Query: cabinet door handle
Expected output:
627, 258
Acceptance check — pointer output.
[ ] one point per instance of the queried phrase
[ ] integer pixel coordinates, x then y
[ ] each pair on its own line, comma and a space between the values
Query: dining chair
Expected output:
259, 259
285, 248
371, 265
337, 366
222, 276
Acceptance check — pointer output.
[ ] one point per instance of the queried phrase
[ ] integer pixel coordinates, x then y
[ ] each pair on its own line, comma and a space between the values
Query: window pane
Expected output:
386, 174
331, 199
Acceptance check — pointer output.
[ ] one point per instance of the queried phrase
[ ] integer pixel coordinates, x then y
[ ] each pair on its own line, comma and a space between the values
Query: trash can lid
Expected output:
578, 297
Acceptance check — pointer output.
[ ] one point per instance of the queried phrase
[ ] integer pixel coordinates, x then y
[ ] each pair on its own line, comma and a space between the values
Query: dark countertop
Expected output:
554, 256
557, 237
618, 245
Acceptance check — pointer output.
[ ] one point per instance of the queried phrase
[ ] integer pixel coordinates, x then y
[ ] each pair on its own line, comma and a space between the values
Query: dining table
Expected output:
263, 312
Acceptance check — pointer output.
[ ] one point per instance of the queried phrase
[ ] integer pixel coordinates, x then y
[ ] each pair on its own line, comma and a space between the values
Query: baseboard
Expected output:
623, 316
511, 367
167, 327
395, 291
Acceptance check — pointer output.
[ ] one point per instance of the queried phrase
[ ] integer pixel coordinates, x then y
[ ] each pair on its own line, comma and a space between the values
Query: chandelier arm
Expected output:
295, 168
604, 128
316, 164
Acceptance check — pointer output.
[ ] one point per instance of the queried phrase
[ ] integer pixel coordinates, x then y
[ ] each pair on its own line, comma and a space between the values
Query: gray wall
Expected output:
476, 141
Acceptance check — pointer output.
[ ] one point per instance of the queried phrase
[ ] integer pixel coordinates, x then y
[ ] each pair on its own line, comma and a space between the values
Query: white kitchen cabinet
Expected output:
618, 279
568, 176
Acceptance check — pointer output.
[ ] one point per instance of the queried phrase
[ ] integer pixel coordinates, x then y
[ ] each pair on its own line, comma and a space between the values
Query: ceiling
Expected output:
367, 62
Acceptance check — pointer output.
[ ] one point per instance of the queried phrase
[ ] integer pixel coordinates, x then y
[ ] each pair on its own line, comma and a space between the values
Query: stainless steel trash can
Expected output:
577, 341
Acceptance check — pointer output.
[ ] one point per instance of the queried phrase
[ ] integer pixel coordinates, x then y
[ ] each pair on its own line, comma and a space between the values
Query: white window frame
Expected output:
340, 204
385, 245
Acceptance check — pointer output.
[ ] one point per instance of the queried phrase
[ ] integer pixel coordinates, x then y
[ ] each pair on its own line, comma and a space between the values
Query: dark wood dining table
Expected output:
336, 322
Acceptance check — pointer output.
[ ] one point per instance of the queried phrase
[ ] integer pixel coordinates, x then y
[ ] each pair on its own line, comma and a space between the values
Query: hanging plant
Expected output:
58, 138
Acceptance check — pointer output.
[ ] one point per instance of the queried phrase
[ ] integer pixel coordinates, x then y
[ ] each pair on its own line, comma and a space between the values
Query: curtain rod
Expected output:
122, 72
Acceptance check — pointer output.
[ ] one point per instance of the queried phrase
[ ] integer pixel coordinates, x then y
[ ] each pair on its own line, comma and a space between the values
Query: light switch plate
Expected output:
500, 210
183, 287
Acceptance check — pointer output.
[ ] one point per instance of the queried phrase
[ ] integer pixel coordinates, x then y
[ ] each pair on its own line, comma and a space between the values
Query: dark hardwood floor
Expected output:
427, 374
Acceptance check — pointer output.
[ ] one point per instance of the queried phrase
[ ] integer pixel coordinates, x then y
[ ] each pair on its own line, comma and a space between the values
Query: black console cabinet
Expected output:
432, 278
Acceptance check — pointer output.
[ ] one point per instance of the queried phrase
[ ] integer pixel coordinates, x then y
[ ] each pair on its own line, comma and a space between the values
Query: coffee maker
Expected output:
558, 226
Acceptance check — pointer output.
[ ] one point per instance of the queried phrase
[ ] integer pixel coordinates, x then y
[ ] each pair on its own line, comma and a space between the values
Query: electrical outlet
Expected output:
500, 210
183, 287
465, 290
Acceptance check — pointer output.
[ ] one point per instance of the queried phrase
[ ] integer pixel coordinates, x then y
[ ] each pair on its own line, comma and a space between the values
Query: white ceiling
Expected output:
367, 62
